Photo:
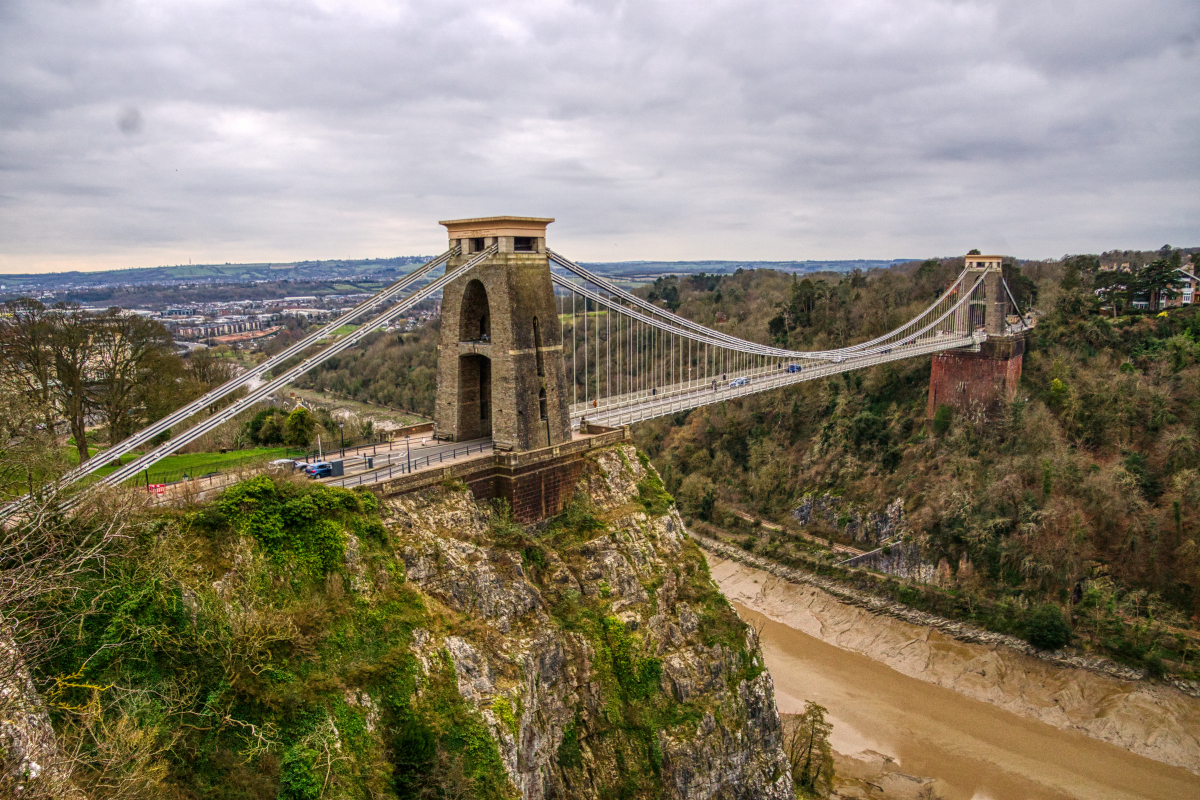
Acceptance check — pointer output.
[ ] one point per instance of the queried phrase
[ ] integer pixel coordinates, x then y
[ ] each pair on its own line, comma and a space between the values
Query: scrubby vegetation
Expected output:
222, 655
229, 650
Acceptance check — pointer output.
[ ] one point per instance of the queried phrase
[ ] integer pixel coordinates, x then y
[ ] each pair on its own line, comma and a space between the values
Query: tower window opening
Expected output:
477, 245
542, 404
537, 349
524, 244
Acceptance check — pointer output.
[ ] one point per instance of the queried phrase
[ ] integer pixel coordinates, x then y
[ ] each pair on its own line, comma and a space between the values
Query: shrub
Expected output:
297, 779
570, 754
293, 524
942, 418
1047, 630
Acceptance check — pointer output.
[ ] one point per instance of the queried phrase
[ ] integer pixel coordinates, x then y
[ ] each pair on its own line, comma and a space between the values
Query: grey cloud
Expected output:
650, 129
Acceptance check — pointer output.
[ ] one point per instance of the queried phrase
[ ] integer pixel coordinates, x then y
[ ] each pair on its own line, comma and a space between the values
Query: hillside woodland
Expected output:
392, 369
1078, 504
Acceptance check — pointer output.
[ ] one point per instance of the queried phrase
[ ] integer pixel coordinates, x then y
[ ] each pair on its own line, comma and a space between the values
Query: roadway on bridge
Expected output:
634, 407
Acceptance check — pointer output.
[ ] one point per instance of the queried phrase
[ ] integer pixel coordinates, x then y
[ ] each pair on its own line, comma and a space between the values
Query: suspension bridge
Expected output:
537, 353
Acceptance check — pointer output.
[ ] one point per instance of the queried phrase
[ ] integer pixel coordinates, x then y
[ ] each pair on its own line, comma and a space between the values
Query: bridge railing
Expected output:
653, 407
410, 465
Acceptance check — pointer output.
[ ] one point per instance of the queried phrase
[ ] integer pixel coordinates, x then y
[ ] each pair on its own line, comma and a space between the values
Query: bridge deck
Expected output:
625, 409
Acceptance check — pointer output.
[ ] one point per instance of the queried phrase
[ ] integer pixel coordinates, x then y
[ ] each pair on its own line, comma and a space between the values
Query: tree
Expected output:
69, 337
208, 370
797, 311
300, 427
1114, 287
1076, 269
942, 417
806, 742
128, 354
1024, 290
1160, 279
26, 361
1047, 629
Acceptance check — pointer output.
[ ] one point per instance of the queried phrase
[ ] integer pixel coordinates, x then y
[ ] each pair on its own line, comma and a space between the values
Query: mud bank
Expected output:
1152, 720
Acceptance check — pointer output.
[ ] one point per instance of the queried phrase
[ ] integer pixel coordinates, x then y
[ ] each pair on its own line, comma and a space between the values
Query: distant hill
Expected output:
356, 269
632, 270
213, 273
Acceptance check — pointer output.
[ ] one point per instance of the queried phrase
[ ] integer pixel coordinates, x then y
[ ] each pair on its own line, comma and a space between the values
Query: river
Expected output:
972, 749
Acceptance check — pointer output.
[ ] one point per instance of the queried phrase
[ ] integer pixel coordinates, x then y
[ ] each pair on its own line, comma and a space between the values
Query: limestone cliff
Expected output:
295, 641
600, 654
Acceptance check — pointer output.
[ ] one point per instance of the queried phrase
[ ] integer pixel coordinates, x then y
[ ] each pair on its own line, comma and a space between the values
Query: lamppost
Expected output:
408, 447
342, 434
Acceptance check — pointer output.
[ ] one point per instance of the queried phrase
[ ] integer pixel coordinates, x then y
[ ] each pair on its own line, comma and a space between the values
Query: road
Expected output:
771, 526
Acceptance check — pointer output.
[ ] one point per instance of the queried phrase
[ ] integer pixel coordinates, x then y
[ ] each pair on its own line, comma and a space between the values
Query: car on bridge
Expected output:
794, 368
319, 469
738, 382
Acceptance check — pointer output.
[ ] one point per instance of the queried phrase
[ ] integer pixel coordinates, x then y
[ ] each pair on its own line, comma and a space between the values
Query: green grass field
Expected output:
172, 468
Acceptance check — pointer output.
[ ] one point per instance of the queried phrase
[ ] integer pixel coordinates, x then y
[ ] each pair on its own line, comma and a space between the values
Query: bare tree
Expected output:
26, 360
127, 352
69, 337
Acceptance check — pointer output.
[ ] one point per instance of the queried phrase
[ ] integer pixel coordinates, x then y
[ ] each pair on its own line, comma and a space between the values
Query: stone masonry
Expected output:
977, 384
500, 367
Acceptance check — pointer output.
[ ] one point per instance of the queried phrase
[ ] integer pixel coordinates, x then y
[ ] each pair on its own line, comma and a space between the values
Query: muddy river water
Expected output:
972, 749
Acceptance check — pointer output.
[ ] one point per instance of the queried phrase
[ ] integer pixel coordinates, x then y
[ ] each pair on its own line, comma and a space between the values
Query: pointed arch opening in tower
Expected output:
474, 396
475, 323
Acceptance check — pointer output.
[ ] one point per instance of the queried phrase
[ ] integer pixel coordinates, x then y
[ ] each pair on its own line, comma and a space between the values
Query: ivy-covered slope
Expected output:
296, 641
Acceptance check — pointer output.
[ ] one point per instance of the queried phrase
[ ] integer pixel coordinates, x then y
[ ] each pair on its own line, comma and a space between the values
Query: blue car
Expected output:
794, 367
738, 382
321, 469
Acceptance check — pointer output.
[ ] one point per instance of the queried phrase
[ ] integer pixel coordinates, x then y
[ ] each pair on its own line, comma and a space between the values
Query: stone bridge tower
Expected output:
500, 364
978, 383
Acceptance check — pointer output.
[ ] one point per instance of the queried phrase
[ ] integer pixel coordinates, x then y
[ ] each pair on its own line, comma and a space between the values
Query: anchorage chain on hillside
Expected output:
684, 324
636, 366
339, 344
143, 462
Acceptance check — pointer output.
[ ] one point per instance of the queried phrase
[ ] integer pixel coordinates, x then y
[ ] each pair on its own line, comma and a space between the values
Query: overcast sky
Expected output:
143, 133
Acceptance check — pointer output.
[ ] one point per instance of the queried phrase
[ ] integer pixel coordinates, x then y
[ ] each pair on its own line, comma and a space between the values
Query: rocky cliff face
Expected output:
598, 651
29, 759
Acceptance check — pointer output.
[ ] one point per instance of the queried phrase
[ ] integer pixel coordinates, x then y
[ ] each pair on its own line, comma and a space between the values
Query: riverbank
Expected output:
899, 738
1150, 719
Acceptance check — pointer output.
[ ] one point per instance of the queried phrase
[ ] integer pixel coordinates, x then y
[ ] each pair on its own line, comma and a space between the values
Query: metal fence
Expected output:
410, 465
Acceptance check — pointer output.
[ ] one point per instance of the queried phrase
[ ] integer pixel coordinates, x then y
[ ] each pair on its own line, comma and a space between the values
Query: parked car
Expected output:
320, 469
738, 382
284, 463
